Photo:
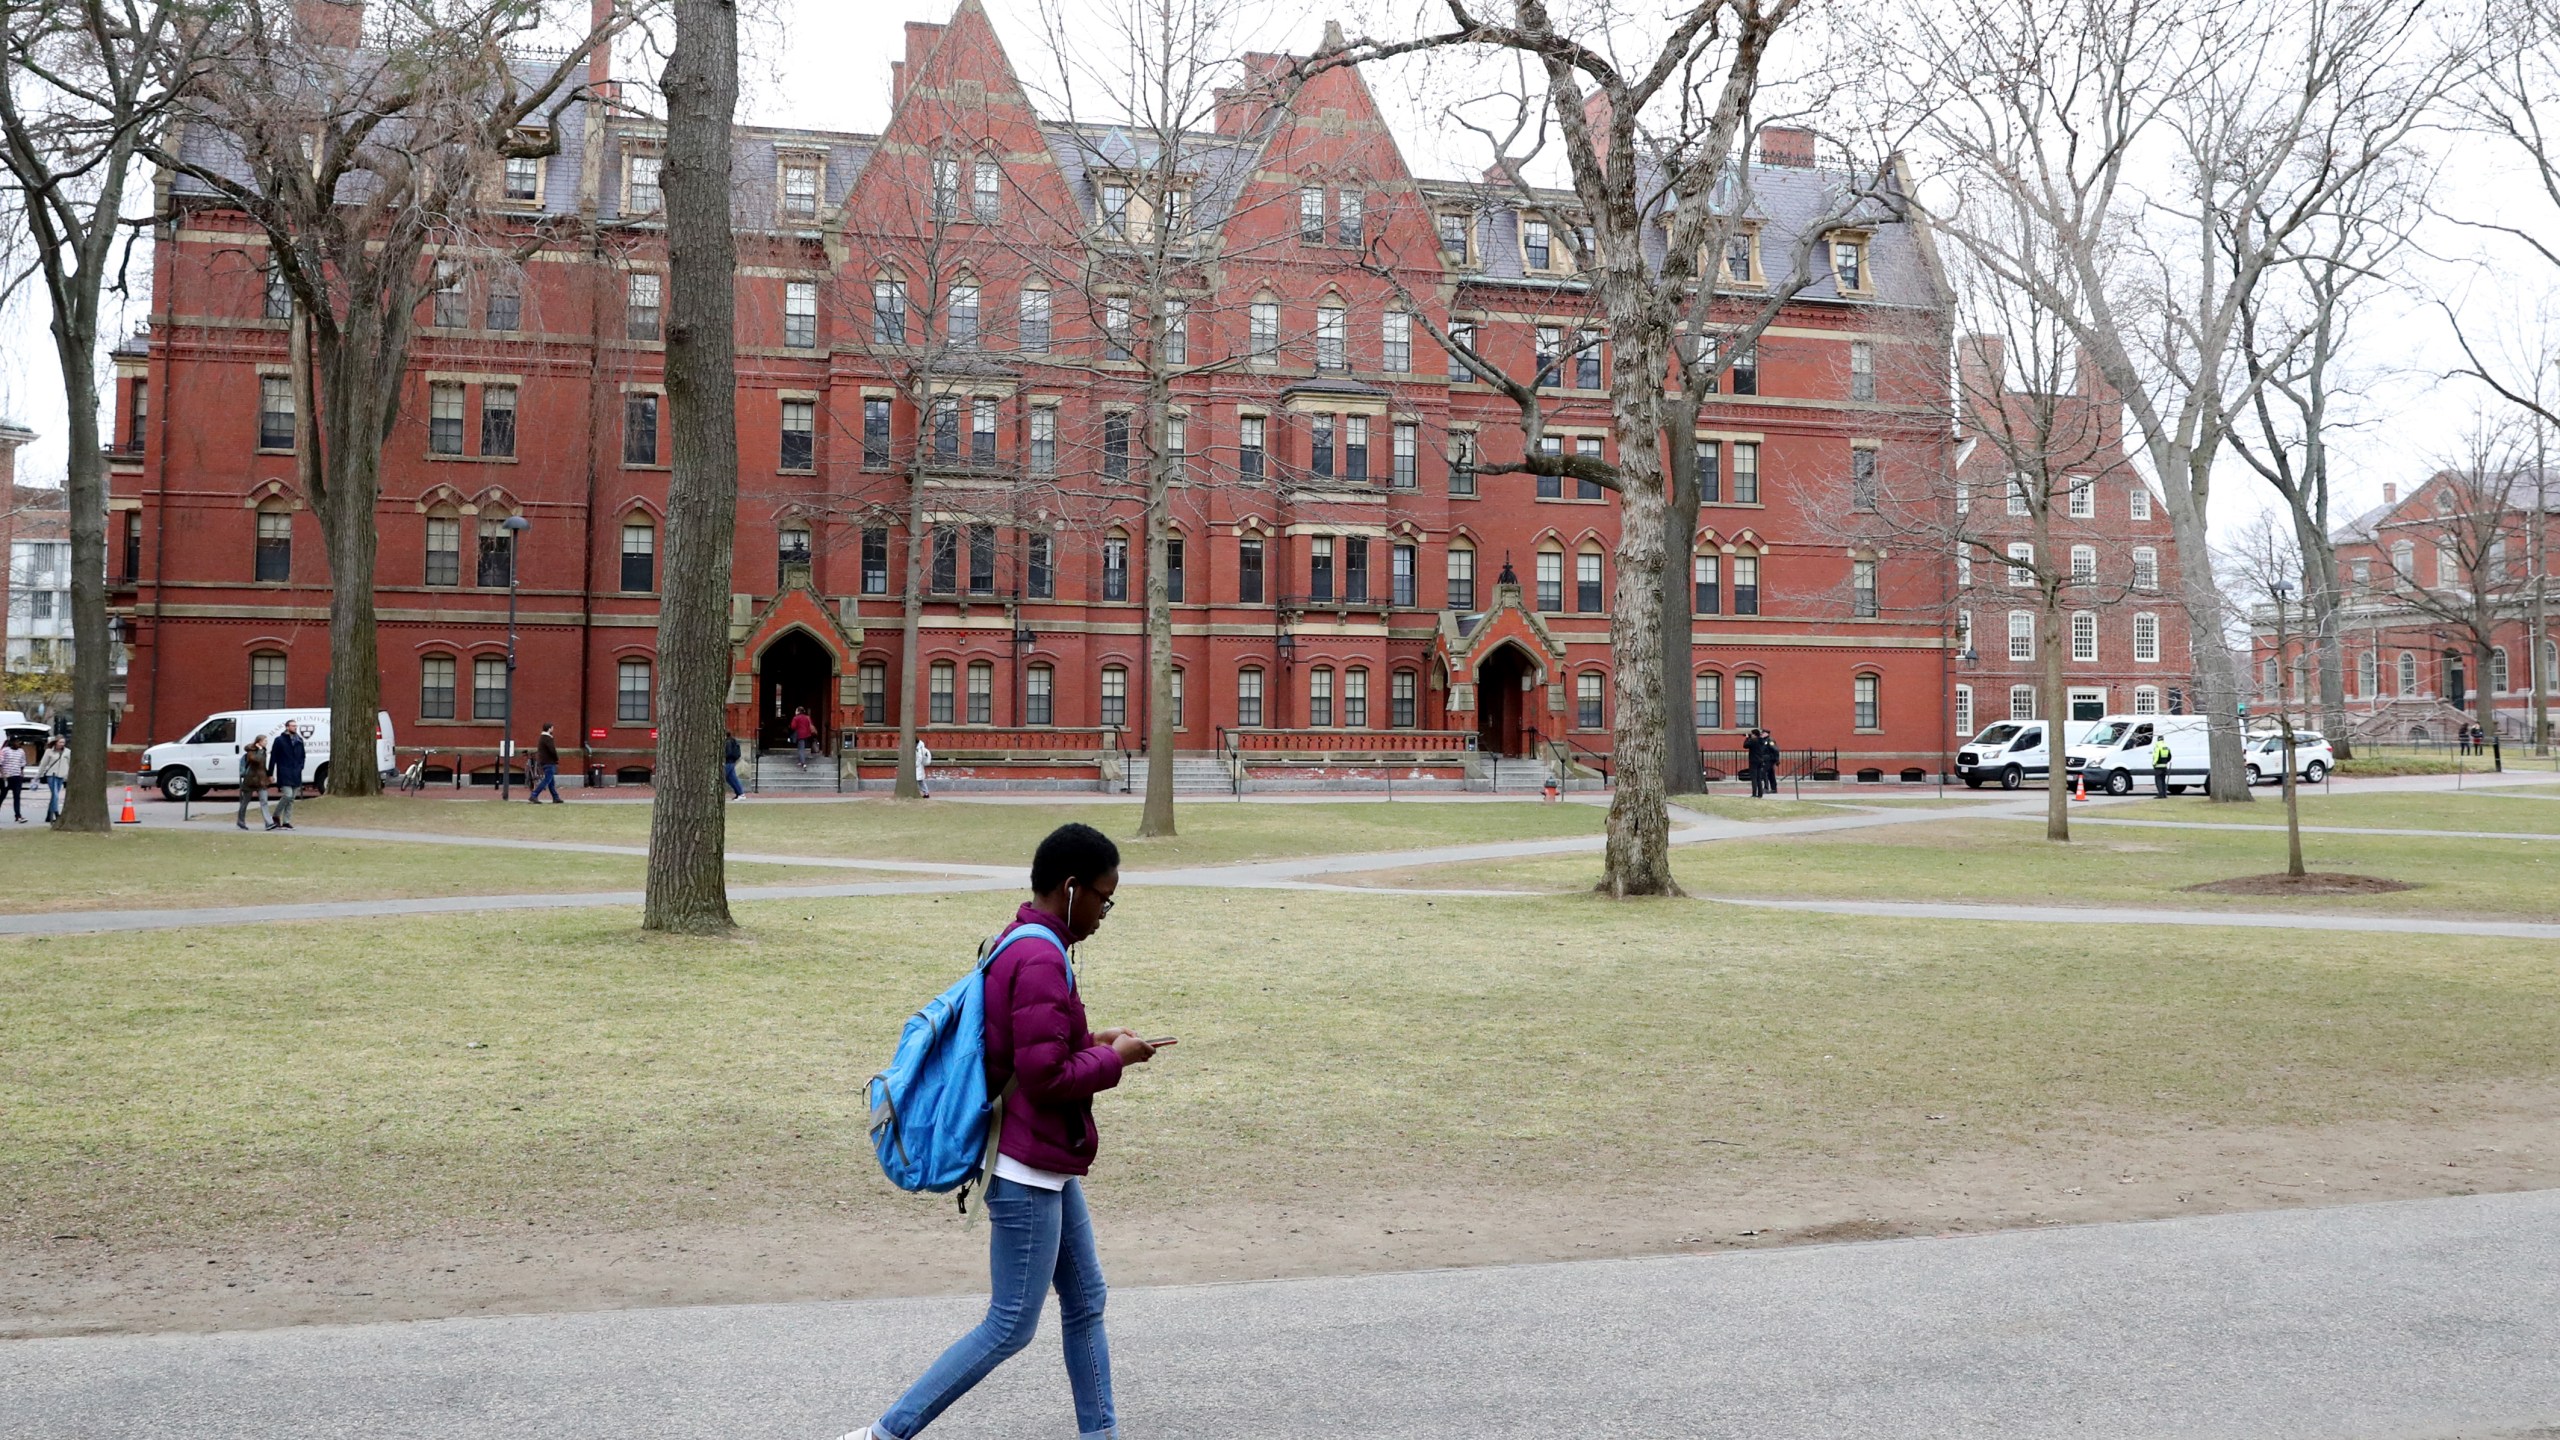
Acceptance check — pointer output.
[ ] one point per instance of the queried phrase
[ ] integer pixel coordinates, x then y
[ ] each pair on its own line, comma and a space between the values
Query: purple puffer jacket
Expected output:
1036, 1033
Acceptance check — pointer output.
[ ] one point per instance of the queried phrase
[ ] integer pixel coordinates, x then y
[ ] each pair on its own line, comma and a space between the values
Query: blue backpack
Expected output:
932, 1121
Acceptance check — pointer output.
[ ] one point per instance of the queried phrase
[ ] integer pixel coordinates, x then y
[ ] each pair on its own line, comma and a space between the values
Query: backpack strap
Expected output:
996, 945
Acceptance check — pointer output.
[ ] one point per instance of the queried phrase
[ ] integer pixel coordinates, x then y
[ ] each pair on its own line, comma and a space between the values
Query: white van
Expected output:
2010, 754
2116, 753
210, 755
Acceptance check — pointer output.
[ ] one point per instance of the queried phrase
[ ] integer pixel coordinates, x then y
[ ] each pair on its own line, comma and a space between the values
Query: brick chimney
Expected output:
600, 60
1786, 145
2390, 493
920, 41
337, 24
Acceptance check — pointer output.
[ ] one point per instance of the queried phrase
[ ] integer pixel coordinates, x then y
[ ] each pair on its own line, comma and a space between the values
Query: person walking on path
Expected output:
2160, 754
803, 731
1047, 1067
546, 764
253, 784
13, 779
924, 757
729, 768
55, 771
285, 758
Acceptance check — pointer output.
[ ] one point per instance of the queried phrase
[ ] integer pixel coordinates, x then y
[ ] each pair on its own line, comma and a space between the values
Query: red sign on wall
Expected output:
596, 734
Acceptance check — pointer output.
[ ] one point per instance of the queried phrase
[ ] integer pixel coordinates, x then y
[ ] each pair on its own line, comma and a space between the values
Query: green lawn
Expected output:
561, 1069
1984, 861
2499, 808
1743, 807
209, 865
882, 829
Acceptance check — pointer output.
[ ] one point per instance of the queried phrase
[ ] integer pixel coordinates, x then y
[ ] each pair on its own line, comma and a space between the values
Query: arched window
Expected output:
1355, 698
444, 548
982, 693
1462, 575
1587, 585
1177, 698
497, 558
2408, 673
1402, 686
938, 692
1550, 578
634, 696
2368, 673
1590, 700
2498, 669
275, 542
1332, 353
1249, 697
1706, 694
1039, 696
1320, 696
1115, 696
639, 554
435, 688
1867, 702
266, 680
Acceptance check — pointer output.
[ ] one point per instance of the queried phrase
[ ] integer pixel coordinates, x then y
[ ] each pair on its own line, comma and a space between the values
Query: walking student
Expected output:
924, 758
803, 731
2160, 767
546, 763
13, 780
253, 784
1038, 1045
729, 768
55, 771
285, 758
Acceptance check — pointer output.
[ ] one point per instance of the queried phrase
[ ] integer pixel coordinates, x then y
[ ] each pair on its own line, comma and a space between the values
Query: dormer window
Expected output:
1115, 209
1849, 264
1537, 245
1457, 234
640, 192
1742, 258
523, 184
800, 190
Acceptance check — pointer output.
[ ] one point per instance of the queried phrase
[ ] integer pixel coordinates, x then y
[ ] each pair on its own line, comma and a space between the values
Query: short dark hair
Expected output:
1072, 852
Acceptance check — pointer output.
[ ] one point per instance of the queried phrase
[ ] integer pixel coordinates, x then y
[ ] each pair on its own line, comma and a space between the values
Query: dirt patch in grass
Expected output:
2317, 882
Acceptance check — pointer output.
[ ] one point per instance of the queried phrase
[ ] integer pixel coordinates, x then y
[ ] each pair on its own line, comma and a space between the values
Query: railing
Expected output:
1570, 752
1797, 766
1345, 741
953, 740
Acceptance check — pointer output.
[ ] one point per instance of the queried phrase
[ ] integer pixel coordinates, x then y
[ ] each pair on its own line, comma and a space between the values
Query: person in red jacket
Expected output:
1048, 1067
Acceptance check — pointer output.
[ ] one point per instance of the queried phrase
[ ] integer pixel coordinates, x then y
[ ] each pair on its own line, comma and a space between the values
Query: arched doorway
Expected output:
795, 671
1502, 701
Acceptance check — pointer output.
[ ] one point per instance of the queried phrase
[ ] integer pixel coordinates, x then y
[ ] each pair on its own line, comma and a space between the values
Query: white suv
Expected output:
2310, 751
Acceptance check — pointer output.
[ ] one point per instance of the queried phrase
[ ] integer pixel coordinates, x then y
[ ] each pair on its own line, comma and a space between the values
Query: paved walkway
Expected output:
2436, 1318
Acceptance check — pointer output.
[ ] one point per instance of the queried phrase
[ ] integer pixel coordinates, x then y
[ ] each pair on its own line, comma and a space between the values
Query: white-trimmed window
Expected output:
1706, 698
2141, 501
938, 692
1866, 704
1355, 698
2084, 637
2146, 699
1590, 700
2146, 568
641, 302
2368, 674
2022, 564
2022, 635
1964, 632
2408, 673
1964, 569
2084, 564
1115, 696
800, 313
2498, 670
2084, 497
799, 190
633, 695
1395, 342
1264, 319
1249, 697
2022, 702
1462, 576
982, 693
1862, 370
1331, 353
2146, 638
1964, 712
640, 192
1039, 696
1746, 701
1320, 696
2018, 492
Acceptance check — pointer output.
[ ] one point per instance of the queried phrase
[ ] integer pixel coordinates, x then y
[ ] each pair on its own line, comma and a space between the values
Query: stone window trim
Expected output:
1725, 440
658, 388
1864, 287
1748, 232
787, 158
473, 382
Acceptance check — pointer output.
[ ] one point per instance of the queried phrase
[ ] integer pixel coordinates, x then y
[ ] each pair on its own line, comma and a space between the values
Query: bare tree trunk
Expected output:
2484, 699
339, 454
1157, 818
911, 636
1683, 772
2292, 805
2217, 674
688, 882
1639, 850
2057, 713
84, 804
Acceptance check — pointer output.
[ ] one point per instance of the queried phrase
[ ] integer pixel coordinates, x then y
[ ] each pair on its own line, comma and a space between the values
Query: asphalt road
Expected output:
2423, 1320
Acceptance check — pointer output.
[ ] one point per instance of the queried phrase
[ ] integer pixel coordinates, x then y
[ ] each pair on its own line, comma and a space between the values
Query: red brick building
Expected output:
1339, 573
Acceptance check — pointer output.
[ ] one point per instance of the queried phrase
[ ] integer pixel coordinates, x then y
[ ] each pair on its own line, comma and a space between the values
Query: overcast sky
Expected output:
825, 64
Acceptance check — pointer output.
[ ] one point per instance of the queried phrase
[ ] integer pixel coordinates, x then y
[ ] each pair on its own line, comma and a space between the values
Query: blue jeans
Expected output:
548, 780
1041, 1238
729, 771
53, 797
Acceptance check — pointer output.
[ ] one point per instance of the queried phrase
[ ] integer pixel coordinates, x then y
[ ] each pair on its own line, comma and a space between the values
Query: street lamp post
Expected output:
515, 526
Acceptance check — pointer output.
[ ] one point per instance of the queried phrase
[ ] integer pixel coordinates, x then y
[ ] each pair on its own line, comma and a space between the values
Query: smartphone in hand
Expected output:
1160, 1044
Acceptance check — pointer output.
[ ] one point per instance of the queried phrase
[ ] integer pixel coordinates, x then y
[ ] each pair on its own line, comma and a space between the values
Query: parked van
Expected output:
2116, 753
210, 755
2010, 754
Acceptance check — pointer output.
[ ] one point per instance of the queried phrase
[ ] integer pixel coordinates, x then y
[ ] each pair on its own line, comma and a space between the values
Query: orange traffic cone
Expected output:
128, 817
2080, 785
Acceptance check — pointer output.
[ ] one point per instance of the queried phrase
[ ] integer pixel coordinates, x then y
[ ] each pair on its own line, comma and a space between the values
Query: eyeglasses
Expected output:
1107, 903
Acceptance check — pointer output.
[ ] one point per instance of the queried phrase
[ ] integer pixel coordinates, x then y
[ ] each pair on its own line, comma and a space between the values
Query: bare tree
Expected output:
2265, 570
2471, 582
2260, 116
85, 87
356, 160
688, 826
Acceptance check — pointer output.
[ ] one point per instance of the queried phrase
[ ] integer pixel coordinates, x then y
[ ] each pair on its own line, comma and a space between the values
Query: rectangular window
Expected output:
1249, 447
1355, 699
1706, 702
1320, 445
274, 548
451, 308
444, 419
1395, 342
1355, 568
2022, 702
1550, 487
1033, 331
946, 186
1589, 703
982, 693
1039, 700
1706, 584
799, 191
1041, 569
986, 191
2022, 635
1462, 464
939, 681
982, 429
1964, 712
435, 688
1964, 634
2146, 569
640, 430
1320, 567
632, 692
1461, 333
444, 550
2019, 488
2084, 564
2141, 501
1710, 472
642, 195
1588, 447
1346, 218
1586, 584
275, 412
2084, 497
2022, 564
1746, 584
132, 545
889, 312
1402, 559
1537, 248
1547, 350
279, 296
1586, 360
138, 416
497, 560
1355, 447
1400, 700
1550, 580
1862, 480
1462, 577
1249, 571
489, 688
640, 304
1115, 209
506, 305
1454, 233
1115, 327
1746, 473
799, 434
1177, 446
1265, 321
1249, 697
960, 324
943, 566
1862, 589
1173, 570
639, 556
498, 420
1115, 696
1746, 702
982, 559
1115, 445
2084, 637
1320, 697
946, 427
875, 561
1045, 439
1115, 569
800, 314
1331, 353
1867, 704
875, 434
1177, 332
2146, 639
1849, 264
1311, 215
875, 692
1862, 370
